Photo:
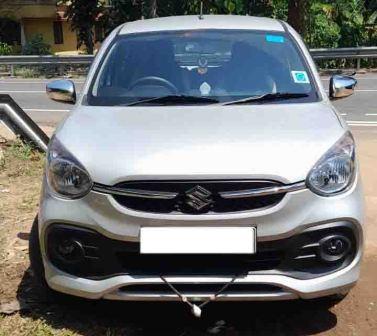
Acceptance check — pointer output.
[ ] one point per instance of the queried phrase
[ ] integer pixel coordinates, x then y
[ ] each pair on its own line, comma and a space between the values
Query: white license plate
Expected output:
195, 240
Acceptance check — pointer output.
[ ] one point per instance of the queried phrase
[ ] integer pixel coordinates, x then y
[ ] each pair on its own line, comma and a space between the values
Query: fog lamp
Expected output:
334, 248
70, 251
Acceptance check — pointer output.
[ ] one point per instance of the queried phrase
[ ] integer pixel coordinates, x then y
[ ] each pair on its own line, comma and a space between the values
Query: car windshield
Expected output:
202, 67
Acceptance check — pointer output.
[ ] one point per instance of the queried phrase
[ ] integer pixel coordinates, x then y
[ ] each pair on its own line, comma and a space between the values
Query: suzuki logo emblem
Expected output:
198, 198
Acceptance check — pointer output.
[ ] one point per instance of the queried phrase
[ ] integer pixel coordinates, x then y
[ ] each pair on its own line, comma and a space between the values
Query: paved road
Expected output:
360, 109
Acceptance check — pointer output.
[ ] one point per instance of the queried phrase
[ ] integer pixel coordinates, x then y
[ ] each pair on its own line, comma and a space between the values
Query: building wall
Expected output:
44, 26
34, 11
37, 17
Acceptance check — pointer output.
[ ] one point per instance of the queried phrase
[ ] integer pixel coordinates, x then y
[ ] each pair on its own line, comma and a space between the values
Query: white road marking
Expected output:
343, 114
17, 91
362, 123
36, 82
358, 78
44, 110
361, 90
371, 114
366, 90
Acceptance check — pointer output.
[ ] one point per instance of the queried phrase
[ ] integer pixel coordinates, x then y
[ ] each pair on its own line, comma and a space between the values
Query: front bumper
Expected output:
275, 287
297, 212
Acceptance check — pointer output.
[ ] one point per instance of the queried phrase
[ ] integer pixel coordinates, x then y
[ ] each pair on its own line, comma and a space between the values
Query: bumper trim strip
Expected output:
263, 191
147, 296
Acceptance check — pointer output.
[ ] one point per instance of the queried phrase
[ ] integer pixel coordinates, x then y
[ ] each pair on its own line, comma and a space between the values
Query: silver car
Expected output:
203, 160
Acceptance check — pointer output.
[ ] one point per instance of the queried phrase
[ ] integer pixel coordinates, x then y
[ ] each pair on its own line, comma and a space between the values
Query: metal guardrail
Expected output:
344, 53
40, 60
44, 60
318, 54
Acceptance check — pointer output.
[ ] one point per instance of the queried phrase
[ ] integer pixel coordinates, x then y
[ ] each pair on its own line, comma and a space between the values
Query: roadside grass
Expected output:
20, 175
21, 169
21, 159
26, 72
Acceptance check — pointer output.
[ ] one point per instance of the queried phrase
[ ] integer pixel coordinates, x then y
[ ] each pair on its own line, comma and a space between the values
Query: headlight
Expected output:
65, 175
335, 170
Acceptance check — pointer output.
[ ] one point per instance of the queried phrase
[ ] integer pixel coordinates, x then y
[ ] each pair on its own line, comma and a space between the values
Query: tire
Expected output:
330, 300
45, 293
336, 298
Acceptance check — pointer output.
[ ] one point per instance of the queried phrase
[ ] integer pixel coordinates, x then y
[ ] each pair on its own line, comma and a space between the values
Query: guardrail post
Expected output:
358, 64
61, 69
12, 72
15, 118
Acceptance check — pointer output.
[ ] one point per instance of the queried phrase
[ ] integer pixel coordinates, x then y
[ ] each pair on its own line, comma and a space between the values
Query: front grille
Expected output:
209, 199
196, 264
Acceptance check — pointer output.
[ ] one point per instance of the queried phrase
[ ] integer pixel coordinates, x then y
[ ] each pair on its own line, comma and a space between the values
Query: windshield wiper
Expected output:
267, 97
174, 99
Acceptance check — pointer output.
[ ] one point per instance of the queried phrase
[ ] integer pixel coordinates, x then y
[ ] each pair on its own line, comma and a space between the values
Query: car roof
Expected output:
192, 22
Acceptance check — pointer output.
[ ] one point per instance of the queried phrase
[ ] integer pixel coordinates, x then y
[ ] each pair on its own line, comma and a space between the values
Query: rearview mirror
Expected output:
341, 86
62, 90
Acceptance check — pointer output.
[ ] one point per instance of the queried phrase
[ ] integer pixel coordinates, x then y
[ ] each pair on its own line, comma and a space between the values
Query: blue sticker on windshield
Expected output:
300, 77
275, 38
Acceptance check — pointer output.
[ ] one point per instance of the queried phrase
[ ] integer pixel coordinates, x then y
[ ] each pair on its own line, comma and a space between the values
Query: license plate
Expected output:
198, 240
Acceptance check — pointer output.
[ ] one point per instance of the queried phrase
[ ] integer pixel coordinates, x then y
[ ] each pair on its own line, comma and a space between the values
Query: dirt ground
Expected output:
29, 314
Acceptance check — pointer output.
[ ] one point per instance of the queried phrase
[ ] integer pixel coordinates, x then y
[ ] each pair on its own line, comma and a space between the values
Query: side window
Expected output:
106, 75
58, 32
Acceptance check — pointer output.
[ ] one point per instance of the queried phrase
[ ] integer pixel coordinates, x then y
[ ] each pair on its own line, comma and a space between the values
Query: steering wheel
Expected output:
154, 80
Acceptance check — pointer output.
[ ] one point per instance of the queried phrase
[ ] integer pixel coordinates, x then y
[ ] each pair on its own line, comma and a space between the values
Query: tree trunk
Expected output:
89, 44
297, 14
152, 9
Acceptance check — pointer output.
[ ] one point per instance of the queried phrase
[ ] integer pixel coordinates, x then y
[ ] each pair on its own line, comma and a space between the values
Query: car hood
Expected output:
274, 141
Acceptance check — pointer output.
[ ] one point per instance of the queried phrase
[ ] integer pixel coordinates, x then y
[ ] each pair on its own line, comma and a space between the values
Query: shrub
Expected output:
26, 71
5, 49
36, 46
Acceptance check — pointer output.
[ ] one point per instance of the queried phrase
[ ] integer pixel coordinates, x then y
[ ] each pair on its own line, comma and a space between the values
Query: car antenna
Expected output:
201, 11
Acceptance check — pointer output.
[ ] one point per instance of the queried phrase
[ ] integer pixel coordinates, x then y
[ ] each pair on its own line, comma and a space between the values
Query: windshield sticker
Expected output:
300, 77
205, 89
275, 38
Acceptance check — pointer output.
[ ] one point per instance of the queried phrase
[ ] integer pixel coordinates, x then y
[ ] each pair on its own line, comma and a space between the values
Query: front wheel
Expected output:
36, 265
331, 300
336, 298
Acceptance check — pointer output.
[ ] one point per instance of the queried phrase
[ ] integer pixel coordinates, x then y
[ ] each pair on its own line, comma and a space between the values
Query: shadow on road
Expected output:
89, 318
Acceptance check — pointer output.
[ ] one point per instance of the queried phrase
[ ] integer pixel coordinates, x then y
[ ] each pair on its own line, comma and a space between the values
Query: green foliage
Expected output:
21, 159
279, 9
323, 23
28, 71
20, 150
83, 15
36, 46
342, 23
322, 30
351, 21
5, 49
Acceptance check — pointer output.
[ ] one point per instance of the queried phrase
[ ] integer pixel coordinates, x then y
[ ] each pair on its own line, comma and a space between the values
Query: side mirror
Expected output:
62, 90
341, 86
